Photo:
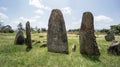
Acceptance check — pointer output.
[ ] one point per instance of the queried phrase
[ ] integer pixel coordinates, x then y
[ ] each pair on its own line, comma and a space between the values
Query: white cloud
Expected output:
102, 18
3, 8
102, 21
36, 17
38, 4
39, 11
24, 19
32, 19
67, 10
3, 17
75, 24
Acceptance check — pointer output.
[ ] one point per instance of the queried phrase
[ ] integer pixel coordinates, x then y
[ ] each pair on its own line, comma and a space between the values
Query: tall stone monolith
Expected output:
28, 36
88, 44
56, 35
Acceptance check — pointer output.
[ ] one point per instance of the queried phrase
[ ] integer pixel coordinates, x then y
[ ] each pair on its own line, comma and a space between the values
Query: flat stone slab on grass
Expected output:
114, 48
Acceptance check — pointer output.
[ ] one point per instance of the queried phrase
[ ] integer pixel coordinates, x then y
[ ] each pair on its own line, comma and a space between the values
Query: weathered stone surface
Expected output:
109, 37
19, 39
114, 48
88, 44
28, 36
56, 35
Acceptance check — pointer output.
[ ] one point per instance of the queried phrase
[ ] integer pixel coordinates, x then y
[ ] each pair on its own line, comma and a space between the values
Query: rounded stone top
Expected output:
87, 21
89, 14
56, 16
28, 22
56, 12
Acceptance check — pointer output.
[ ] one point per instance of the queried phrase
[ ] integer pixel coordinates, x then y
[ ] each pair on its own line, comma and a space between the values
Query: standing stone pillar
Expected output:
88, 44
19, 39
56, 35
28, 37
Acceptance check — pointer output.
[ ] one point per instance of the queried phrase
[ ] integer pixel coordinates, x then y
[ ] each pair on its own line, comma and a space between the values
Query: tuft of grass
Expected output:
16, 56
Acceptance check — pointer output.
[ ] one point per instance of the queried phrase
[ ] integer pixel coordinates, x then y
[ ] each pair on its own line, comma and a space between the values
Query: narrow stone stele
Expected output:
28, 37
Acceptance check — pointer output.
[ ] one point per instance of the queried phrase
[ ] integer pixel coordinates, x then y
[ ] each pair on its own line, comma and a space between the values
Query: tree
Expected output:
104, 30
115, 29
43, 30
73, 30
20, 26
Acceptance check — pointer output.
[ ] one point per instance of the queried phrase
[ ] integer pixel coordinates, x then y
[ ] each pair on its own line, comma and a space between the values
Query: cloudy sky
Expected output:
106, 12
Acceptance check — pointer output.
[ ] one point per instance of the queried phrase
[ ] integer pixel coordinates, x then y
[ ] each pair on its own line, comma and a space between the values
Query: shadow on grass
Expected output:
58, 52
93, 58
28, 49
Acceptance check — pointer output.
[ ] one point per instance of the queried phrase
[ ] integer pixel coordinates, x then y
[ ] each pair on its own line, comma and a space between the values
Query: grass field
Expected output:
16, 56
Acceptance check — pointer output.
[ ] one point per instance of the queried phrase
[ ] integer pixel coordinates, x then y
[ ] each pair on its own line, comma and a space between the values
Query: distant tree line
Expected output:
103, 30
8, 29
113, 29
73, 30
36, 29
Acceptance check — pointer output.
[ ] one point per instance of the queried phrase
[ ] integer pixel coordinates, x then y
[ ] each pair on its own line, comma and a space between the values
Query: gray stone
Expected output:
43, 45
114, 48
28, 36
88, 44
38, 41
109, 37
19, 39
56, 35
74, 47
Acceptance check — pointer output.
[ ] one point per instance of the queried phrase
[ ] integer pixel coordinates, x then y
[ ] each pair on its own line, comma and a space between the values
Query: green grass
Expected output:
15, 55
